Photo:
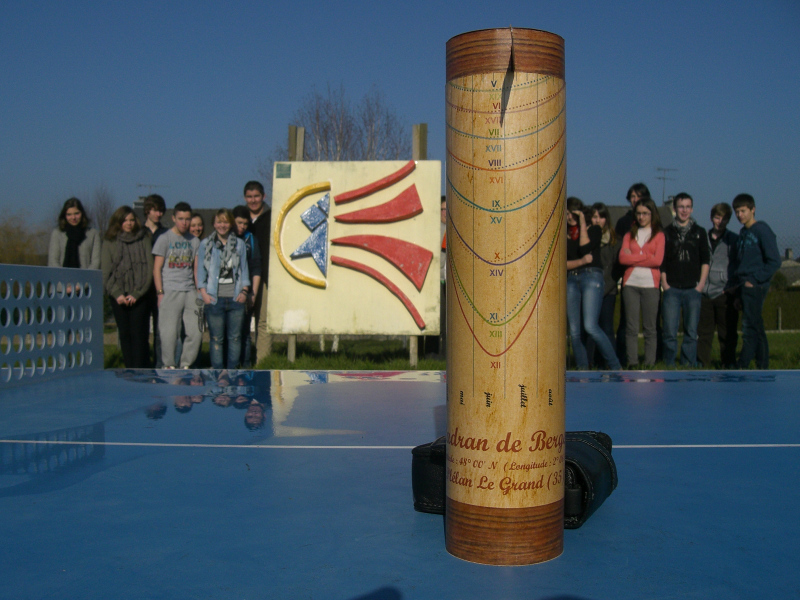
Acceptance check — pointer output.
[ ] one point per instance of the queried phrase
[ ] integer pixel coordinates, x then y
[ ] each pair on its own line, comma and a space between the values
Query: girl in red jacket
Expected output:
642, 252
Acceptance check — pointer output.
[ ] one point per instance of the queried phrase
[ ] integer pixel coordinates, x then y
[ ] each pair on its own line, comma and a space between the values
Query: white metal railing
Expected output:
51, 322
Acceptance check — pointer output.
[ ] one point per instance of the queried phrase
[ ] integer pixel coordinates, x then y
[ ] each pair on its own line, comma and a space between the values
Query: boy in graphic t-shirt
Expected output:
173, 275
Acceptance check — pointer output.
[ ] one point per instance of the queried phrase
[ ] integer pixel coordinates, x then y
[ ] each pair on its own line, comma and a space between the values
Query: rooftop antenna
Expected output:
663, 177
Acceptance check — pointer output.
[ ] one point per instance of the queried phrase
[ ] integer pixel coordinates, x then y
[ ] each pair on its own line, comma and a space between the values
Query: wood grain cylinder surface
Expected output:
506, 296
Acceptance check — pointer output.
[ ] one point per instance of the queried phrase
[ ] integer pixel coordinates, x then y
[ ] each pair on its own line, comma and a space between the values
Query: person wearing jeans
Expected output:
260, 227
585, 286
757, 260
683, 279
609, 250
754, 335
584, 300
223, 282
224, 317
242, 216
673, 302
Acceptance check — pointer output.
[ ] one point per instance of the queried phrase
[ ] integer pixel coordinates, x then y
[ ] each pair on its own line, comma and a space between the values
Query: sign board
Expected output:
355, 248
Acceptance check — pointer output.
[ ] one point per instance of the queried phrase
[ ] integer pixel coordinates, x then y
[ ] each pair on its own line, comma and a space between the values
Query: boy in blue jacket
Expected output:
757, 260
241, 215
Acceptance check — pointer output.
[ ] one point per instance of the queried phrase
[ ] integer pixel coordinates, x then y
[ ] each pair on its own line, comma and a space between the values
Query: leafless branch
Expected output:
101, 207
335, 129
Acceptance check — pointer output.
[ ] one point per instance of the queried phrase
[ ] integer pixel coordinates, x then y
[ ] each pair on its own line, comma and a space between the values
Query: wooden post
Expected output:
296, 148
419, 151
413, 350
334, 345
296, 142
506, 293
419, 141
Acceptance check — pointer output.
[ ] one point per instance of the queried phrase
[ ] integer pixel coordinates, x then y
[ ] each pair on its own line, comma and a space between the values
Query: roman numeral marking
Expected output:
495, 272
495, 179
496, 220
494, 148
496, 334
496, 162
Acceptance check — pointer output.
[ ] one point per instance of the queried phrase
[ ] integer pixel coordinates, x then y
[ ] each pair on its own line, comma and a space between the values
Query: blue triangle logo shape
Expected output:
316, 246
325, 204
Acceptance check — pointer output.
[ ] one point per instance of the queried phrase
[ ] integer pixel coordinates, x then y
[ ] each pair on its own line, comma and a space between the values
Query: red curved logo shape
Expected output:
362, 268
375, 185
404, 206
411, 260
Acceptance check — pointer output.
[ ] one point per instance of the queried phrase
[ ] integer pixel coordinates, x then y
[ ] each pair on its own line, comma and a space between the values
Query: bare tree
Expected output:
101, 207
330, 123
336, 129
381, 134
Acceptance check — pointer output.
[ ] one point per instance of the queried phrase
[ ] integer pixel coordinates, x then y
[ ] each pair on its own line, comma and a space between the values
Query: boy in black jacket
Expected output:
260, 216
683, 277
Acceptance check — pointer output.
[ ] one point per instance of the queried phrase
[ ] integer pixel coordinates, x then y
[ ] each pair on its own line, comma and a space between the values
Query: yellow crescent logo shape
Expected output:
323, 186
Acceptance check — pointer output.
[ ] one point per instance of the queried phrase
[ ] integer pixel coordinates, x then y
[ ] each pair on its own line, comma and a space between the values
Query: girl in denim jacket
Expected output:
223, 283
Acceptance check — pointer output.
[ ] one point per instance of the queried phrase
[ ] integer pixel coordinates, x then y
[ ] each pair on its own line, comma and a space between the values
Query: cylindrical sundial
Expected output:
506, 296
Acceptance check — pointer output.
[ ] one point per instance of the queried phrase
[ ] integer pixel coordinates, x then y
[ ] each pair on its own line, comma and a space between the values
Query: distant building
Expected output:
790, 269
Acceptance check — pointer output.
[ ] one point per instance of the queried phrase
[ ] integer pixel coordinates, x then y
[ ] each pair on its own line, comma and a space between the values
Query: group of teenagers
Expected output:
680, 269
184, 281
178, 278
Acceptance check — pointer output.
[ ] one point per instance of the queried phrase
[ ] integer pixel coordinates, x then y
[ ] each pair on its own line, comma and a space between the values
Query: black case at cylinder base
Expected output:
590, 475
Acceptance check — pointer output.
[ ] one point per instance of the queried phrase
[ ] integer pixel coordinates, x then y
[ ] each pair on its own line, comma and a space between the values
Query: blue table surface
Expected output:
296, 484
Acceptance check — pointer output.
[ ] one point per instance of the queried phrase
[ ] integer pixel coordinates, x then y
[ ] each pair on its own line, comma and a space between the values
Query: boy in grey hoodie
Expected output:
717, 309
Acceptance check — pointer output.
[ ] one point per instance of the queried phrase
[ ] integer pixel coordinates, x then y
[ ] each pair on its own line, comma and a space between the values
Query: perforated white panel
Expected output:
51, 322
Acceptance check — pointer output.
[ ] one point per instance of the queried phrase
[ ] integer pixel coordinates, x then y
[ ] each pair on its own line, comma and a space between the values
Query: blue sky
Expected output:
192, 95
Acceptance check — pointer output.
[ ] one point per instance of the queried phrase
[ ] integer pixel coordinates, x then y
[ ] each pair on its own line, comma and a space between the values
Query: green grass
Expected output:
362, 354
113, 357
784, 352
377, 354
